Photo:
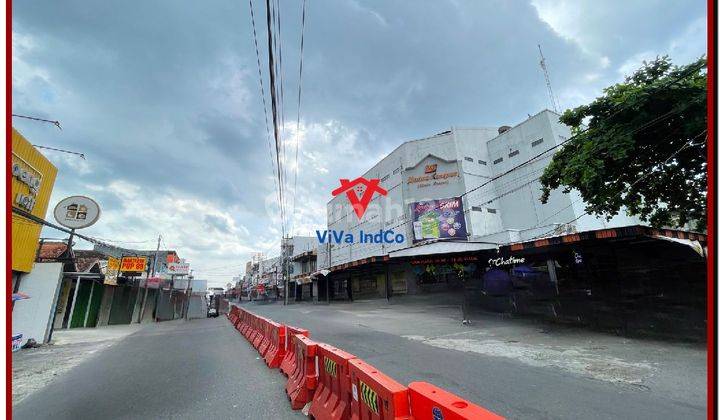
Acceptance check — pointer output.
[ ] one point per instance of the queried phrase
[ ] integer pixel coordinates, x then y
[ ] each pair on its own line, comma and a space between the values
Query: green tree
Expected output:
640, 146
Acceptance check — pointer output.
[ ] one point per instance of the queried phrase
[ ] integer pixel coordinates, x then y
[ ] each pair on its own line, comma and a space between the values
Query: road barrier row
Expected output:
335, 385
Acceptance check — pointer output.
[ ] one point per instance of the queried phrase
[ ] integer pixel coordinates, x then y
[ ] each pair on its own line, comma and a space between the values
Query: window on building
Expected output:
395, 172
498, 160
489, 210
469, 159
385, 178
482, 162
538, 141
476, 208
514, 153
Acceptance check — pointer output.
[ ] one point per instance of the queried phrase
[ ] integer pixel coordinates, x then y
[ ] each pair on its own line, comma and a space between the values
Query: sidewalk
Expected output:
33, 369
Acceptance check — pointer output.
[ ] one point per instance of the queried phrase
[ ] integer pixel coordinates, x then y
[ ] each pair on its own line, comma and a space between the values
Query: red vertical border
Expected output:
8, 210
711, 200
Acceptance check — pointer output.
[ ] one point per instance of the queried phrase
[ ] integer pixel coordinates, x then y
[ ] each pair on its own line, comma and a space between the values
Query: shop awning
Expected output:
442, 247
319, 273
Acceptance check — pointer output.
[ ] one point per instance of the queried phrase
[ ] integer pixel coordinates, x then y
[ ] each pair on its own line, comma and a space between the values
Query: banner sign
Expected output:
111, 271
133, 264
438, 219
178, 268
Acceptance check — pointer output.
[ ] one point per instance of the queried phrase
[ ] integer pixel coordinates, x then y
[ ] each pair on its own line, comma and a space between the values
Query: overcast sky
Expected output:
163, 98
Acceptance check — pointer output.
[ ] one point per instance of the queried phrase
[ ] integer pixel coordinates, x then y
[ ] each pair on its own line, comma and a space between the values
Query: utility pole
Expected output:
553, 102
144, 302
286, 259
188, 292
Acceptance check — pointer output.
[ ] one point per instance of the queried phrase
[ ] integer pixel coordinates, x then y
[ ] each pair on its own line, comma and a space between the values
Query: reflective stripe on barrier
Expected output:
287, 366
276, 351
375, 395
303, 380
333, 394
429, 402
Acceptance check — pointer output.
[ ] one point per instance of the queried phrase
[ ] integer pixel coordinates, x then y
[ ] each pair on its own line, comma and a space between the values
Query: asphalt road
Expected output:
180, 370
206, 369
503, 385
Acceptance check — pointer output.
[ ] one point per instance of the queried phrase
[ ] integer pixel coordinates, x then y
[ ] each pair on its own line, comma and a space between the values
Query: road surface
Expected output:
206, 369
171, 370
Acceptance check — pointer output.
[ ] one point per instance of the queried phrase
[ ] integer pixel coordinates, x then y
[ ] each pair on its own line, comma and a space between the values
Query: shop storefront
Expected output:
633, 280
33, 177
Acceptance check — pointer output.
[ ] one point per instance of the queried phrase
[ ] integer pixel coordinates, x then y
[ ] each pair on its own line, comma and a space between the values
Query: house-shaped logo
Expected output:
368, 188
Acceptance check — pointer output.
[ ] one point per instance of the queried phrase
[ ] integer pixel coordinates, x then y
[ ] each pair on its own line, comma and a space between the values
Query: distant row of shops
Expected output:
56, 286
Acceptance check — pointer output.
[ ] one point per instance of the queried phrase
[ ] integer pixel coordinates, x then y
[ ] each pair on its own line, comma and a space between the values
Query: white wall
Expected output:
508, 208
33, 317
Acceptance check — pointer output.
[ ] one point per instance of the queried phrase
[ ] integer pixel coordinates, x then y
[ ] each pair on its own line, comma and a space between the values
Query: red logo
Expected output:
371, 186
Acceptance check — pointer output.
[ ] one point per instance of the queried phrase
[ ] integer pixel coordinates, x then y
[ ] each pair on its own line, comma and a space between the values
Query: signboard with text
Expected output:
133, 264
438, 219
178, 268
111, 271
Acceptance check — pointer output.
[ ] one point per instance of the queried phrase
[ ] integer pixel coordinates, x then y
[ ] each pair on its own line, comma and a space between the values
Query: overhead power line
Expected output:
689, 71
55, 123
82, 155
297, 126
274, 111
585, 213
41, 221
265, 111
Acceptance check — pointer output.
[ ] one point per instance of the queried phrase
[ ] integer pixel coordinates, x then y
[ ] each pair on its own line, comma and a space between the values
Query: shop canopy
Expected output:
442, 247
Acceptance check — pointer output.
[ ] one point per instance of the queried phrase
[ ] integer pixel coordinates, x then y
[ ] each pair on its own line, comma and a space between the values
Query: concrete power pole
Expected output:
286, 258
144, 301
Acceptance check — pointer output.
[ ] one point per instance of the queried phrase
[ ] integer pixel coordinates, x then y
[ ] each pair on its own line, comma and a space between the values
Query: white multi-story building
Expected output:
466, 163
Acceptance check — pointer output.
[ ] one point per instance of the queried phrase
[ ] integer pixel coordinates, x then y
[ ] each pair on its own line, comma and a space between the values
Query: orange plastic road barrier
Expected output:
333, 394
375, 395
245, 323
429, 402
256, 333
254, 329
267, 337
287, 366
303, 380
276, 350
233, 315
260, 336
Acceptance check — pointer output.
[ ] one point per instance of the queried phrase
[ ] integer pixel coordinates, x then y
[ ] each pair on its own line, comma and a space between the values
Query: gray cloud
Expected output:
164, 98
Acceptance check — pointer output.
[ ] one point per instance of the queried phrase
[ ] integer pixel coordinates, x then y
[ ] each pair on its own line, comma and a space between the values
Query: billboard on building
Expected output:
443, 218
178, 268
133, 264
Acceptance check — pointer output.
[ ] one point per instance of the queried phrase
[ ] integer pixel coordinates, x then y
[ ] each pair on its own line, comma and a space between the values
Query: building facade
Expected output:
33, 178
454, 192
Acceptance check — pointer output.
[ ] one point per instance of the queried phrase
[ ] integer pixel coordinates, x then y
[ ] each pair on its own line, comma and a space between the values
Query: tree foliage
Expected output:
640, 147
